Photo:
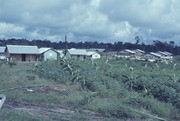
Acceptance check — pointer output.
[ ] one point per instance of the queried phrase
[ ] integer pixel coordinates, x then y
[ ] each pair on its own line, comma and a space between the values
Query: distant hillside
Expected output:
117, 46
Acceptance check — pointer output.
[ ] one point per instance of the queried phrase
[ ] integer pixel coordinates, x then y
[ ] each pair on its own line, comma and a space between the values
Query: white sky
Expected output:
91, 20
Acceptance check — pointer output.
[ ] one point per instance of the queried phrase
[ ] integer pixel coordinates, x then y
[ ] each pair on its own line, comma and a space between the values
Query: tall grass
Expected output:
12, 115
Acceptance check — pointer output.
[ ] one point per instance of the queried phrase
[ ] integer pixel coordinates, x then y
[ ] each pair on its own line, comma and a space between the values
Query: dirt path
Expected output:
57, 113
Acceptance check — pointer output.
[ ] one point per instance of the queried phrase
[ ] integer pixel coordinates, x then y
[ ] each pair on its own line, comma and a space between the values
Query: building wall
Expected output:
2, 56
50, 54
31, 57
125, 53
7, 53
78, 56
68, 55
17, 57
139, 55
28, 57
61, 55
96, 56
151, 58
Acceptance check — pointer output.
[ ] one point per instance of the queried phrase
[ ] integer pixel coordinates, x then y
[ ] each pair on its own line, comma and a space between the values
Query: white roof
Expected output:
90, 53
77, 52
165, 53
43, 49
96, 49
60, 51
138, 50
22, 49
2, 49
130, 51
167, 57
155, 54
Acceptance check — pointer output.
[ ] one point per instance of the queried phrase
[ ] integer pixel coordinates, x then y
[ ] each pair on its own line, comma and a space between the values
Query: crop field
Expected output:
101, 89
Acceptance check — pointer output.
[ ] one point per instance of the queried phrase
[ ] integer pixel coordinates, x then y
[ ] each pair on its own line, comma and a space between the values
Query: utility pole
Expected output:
65, 45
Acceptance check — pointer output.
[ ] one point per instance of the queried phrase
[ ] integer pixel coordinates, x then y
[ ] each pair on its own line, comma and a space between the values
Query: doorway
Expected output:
23, 57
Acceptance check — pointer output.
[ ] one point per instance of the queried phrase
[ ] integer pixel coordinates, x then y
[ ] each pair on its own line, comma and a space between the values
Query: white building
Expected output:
166, 56
60, 53
82, 54
93, 55
47, 53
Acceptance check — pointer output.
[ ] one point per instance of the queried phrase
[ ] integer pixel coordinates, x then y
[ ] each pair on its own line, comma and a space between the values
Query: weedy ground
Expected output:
31, 98
90, 90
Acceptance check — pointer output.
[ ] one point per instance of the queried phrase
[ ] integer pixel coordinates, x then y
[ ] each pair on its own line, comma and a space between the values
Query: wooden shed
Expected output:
22, 53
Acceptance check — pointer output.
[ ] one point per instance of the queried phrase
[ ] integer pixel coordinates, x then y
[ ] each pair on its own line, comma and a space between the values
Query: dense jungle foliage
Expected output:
116, 46
119, 88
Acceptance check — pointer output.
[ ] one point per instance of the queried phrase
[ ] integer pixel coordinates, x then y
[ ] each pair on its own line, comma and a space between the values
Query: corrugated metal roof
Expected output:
155, 54
43, 49
77, 52
168, 53
138, 50
96, 49
60, 51
21, 49
165, 53
90, 53
130, 51
2, 49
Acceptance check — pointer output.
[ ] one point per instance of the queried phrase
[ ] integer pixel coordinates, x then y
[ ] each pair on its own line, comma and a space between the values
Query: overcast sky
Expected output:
91, 20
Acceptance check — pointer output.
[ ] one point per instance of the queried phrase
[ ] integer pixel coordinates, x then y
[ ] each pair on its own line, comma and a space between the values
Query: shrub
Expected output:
111, 107
159, 108
12, 63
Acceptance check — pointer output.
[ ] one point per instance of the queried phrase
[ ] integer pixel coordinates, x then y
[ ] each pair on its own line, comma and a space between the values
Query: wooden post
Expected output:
65, 45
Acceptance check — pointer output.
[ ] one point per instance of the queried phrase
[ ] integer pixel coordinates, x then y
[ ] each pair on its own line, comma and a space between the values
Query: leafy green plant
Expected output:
120, 82
12, 63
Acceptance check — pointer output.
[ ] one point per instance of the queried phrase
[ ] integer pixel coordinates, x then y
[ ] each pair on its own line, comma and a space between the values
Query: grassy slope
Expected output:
97, 86
53, 101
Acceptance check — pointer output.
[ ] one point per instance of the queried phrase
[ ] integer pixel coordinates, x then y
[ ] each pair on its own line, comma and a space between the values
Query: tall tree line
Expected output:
116, 46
